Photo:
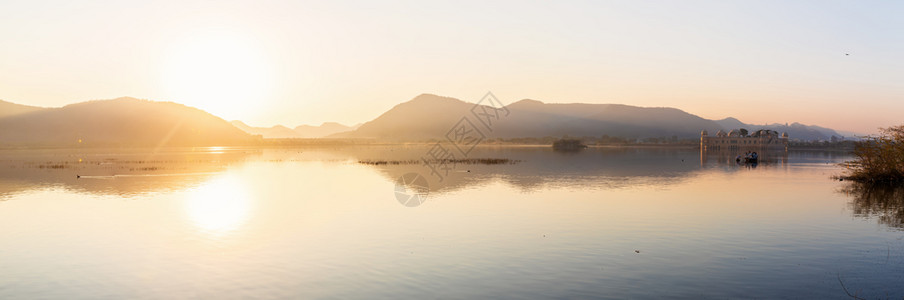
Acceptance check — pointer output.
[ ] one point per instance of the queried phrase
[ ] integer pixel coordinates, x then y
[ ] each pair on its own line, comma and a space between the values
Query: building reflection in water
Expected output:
724, 157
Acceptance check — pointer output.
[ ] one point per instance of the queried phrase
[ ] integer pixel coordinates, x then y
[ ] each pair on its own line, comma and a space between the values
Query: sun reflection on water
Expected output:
219, 206
216, 150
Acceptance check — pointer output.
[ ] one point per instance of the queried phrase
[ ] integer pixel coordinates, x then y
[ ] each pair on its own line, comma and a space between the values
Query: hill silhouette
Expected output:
302, 131
275, 132
119, 122
133, 122
325, 129
11, 109
795, 130
424, 117
534, 119
430, 116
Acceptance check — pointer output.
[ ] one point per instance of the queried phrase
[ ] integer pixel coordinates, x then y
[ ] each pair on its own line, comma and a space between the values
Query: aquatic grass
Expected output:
388, 162
465, 161
54, 166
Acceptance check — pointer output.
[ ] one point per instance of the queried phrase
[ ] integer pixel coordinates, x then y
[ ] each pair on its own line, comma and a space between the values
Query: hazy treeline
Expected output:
597, 140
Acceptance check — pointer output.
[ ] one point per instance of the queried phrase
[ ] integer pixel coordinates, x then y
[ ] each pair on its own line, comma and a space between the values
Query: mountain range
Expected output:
795, 130
431, 117
118, 122
129, 121
302, 131
10, 109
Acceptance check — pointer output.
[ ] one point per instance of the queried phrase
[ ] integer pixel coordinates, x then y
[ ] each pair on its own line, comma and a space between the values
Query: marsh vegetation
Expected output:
879, 159
464, 161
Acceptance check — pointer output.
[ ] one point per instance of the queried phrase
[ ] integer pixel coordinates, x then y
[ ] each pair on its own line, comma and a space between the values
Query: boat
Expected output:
750, 158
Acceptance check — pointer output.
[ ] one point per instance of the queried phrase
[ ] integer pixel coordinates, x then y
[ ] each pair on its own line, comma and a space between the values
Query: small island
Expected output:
568, 144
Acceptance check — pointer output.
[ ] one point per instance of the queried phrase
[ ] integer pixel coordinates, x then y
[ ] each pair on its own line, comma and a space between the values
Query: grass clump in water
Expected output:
879, 159
465, 161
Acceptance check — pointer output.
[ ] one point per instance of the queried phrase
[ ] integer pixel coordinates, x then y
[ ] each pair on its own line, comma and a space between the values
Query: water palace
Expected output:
734, 140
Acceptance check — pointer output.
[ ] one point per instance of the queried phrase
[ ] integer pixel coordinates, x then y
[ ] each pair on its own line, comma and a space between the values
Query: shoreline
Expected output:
372, 144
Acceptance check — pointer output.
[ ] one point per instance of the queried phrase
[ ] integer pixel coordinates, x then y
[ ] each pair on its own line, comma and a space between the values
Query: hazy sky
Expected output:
291, 62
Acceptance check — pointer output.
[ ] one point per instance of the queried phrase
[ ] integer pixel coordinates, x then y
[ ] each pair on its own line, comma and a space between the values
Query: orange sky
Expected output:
291, 63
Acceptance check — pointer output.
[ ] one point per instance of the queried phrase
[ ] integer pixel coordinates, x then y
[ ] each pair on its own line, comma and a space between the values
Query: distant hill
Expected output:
275, 132
424, 117
122, 121
303, 131
129, 121
10, 109
325, 129
430, 117
731, 123
795, 130
535, 118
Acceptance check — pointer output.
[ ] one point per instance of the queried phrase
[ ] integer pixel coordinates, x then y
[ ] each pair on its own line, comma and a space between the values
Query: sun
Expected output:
223, 73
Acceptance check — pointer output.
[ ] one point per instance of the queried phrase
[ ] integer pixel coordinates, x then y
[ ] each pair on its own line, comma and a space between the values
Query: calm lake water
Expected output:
222, 223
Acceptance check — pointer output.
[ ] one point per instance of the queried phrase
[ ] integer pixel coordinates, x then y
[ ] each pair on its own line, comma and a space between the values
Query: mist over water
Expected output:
316, 222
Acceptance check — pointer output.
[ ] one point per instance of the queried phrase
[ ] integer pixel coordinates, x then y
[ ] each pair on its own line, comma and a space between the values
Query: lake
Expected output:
376, 222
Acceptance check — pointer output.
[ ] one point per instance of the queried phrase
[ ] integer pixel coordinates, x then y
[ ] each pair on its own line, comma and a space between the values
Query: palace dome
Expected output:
734, 133
721, 133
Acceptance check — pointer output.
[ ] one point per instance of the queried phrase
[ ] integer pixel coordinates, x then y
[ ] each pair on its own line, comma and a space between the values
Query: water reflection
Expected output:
882, 202
136, 171
314, 223
219, 205
736, 157
120, 172
591, 168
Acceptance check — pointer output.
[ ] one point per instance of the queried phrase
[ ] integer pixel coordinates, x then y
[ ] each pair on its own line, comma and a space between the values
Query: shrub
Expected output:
879, 159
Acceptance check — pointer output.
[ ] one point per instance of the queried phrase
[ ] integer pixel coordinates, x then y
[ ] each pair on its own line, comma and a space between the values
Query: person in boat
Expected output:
738, 159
